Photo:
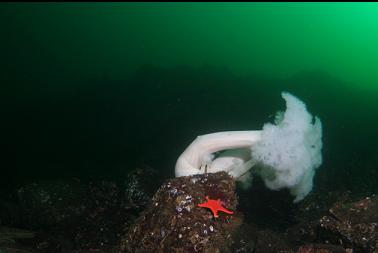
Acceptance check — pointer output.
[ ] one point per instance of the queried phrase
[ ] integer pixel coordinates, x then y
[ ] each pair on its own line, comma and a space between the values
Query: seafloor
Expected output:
142, 214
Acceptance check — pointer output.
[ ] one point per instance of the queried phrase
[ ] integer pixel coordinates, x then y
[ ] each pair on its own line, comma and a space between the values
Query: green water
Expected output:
276, 39
94, 89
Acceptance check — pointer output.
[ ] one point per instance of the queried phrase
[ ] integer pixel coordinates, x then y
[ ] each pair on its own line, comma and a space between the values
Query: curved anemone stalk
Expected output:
200, 152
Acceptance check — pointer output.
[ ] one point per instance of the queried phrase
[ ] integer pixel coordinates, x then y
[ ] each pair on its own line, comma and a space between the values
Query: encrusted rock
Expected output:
353, 225
322, 248
174, 222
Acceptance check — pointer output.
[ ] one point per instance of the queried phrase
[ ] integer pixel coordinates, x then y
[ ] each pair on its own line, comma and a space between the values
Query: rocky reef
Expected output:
136, 215
174, 222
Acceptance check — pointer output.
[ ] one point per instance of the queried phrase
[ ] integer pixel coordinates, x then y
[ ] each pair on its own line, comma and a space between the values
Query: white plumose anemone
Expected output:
286, 153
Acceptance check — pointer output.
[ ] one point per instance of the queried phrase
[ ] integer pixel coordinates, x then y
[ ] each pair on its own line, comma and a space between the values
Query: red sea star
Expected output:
215, 206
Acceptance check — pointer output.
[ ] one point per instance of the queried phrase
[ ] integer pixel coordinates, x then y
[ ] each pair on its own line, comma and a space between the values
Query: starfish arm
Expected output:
226, 210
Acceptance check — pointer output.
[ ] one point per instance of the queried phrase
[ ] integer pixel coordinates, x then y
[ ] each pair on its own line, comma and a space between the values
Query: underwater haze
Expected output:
93, 90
